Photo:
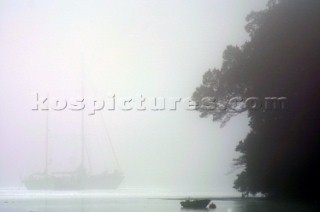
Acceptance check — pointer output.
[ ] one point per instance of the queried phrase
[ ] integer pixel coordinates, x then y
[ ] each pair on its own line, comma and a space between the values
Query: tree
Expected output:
280, 154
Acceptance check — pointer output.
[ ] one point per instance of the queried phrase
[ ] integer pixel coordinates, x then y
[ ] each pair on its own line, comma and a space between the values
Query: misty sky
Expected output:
126, 48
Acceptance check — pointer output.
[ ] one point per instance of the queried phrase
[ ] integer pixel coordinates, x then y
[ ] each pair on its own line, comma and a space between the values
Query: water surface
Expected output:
141, 204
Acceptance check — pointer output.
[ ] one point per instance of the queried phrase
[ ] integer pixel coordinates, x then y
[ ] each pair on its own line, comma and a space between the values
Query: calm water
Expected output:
137, 205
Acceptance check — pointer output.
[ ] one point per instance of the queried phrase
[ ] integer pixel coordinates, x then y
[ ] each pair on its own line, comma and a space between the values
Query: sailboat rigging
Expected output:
79, 179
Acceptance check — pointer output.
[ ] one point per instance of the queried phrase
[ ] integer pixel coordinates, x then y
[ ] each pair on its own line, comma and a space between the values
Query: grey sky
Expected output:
153, 48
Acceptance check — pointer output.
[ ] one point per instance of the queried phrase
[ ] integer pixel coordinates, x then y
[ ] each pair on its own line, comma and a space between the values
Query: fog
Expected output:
126, 49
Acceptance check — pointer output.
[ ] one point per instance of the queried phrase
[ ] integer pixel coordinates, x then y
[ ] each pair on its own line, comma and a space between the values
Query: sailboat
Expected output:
75, 180
79, 179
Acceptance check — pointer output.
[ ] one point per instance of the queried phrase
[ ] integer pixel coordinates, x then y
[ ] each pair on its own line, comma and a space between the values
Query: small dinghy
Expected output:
197, 204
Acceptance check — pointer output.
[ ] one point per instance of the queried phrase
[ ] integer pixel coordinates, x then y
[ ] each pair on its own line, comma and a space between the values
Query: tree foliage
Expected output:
281, 59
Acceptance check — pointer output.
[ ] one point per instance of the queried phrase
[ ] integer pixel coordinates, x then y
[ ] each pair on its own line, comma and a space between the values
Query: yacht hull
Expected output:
74, 182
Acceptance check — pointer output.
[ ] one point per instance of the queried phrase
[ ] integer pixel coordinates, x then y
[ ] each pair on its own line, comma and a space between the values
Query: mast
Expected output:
82, 116
47, 143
